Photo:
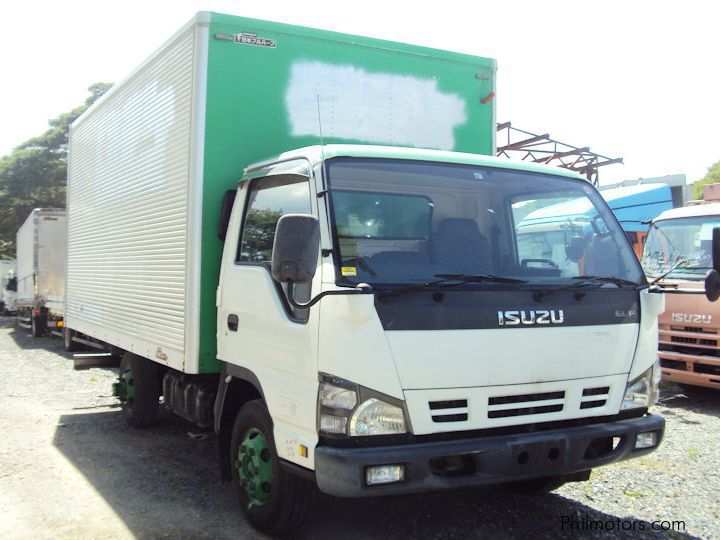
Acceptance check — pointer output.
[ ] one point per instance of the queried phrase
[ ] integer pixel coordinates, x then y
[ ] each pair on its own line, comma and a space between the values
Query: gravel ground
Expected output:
70, 467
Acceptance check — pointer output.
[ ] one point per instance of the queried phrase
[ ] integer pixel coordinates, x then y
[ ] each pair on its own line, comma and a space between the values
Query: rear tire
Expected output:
39, 324
141, 401
286, 501
70, 345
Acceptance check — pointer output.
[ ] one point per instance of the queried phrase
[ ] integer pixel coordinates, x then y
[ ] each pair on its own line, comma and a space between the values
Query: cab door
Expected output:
256, 325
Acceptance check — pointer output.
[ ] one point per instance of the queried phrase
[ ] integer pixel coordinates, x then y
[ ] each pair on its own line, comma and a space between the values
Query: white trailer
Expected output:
41, 253
8, 285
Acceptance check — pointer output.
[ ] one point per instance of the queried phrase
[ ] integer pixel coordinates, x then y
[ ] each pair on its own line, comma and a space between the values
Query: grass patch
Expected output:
633, 494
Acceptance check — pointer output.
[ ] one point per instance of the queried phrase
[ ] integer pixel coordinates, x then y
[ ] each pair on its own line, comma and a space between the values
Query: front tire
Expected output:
274, 501
140, 392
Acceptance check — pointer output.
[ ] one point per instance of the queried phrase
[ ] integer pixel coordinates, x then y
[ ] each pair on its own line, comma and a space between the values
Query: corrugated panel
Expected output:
128, 203
51, 238
25, 255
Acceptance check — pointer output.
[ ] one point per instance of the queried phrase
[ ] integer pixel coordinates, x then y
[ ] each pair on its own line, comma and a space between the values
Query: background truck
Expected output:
41, 249
678, 250
635, 206
8, 286
360, 318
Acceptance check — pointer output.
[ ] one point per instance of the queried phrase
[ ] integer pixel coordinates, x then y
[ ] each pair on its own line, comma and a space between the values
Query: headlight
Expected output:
344, 408
375, 417
336, 397
644, 390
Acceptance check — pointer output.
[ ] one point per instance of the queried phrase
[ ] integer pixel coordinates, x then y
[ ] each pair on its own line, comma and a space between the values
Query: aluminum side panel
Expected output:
25, 257
51, 253
128, 190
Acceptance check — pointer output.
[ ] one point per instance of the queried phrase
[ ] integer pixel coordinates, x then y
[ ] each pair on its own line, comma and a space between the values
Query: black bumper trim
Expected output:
483, 460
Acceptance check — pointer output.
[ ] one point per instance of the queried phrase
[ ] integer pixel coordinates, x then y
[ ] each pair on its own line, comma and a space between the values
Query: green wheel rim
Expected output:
126, 387
254, 465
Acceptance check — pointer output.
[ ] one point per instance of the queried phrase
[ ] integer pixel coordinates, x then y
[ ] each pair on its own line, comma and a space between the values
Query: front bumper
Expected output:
484, 460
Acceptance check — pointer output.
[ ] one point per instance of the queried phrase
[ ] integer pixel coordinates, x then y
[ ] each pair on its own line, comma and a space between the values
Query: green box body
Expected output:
257, 89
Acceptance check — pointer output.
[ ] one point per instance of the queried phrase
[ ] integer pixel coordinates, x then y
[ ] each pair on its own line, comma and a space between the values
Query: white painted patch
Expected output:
373, 107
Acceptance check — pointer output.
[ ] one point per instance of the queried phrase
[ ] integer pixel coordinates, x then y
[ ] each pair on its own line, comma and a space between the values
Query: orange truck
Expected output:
678, 251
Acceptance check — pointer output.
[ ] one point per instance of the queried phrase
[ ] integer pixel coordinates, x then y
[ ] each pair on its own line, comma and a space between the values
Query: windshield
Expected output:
401, 221
682, 242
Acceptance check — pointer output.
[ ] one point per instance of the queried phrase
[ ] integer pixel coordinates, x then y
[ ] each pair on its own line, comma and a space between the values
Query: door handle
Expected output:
233, 322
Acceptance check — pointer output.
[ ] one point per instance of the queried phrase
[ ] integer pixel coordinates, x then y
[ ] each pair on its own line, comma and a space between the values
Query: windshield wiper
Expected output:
479, 278
620, 282
679, 266
450, 280
584, 281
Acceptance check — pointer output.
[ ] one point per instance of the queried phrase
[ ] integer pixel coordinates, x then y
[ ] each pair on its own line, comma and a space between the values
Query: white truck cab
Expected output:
438, 349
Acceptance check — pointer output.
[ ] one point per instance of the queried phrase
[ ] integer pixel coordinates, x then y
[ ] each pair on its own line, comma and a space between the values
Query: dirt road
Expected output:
71, 468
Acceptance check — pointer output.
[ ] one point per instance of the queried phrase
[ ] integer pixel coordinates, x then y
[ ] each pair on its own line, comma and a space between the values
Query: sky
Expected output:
634, 79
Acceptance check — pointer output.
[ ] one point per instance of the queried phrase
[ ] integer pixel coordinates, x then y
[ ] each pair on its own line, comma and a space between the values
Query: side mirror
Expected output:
712, 285
296, 247
712, 278
716, 249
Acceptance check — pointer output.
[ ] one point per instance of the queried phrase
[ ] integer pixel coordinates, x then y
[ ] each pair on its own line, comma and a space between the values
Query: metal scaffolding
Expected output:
517, 143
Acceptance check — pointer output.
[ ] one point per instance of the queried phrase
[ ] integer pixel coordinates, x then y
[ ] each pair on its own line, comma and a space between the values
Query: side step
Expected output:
87, 360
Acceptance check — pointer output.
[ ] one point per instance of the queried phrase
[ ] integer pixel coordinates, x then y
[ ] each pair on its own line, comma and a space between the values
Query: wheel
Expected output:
39, 324
138, 390
70, 345
537, 486
274, 501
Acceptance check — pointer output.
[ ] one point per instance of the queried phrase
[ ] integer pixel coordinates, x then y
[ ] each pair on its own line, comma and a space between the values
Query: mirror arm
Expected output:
362, 289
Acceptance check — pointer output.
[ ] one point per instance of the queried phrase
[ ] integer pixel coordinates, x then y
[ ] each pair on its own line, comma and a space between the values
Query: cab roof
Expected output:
710, 209
319, 152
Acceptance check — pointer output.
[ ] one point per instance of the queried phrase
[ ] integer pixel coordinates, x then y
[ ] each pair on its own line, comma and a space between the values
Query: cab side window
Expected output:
268, 200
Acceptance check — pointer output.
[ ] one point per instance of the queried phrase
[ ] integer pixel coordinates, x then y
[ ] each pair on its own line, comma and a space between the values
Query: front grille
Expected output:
525, 411
523, 398
454, 410
700, 343
707, 369
600, 391
673, 364
594, 397
525, 404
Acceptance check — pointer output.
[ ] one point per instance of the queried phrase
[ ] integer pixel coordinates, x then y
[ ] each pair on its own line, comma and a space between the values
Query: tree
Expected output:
34, 174
712, 177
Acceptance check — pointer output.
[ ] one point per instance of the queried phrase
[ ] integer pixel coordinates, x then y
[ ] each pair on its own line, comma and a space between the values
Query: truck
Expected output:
677, 253
300, 240
8, 286
41, 251
637, 205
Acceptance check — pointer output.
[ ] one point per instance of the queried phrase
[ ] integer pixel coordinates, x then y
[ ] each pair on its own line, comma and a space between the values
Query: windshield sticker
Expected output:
349, 271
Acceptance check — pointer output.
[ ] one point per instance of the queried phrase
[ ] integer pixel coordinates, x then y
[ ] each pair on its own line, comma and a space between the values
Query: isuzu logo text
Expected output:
691, 318
530, 317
